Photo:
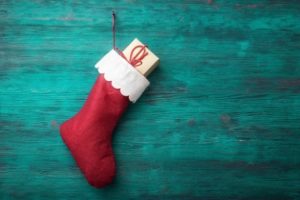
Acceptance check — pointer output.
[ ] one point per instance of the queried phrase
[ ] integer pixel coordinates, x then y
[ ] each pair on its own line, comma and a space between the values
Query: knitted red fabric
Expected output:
88, 134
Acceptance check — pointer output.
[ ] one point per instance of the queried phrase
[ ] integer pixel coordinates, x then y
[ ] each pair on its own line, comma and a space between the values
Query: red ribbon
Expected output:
135, 59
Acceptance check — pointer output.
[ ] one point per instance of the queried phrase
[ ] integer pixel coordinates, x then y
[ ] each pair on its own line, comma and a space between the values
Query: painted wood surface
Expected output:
221, 119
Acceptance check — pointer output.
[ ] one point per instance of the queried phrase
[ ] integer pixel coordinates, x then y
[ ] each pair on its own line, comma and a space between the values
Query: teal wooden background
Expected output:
221, 119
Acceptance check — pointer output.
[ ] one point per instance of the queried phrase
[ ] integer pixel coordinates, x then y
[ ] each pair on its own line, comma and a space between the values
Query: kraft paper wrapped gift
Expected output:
149, 62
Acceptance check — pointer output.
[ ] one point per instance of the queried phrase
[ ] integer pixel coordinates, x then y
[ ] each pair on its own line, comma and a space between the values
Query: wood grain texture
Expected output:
221, 119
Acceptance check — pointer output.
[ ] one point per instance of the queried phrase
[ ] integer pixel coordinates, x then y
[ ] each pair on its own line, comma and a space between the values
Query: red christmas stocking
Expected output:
88, 134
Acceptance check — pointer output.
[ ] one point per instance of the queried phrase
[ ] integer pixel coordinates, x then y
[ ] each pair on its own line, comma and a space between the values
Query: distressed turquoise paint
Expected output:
221, 119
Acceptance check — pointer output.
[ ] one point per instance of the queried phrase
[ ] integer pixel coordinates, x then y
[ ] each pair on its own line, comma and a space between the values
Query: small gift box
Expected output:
138, 54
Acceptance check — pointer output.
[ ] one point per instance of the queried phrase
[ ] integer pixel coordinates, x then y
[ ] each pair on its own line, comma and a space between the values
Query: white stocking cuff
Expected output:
122, 75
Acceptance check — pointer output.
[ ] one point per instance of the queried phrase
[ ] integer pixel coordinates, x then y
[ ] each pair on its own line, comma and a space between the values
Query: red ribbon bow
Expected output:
136, 59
